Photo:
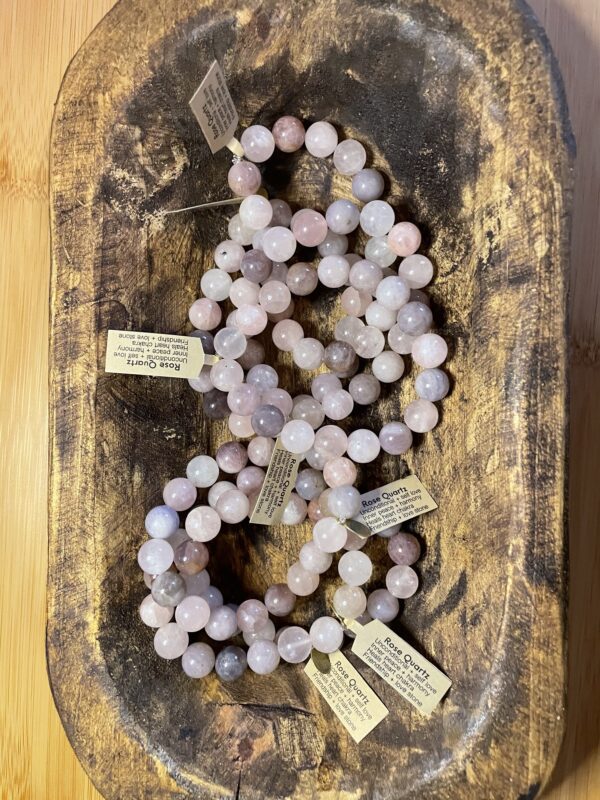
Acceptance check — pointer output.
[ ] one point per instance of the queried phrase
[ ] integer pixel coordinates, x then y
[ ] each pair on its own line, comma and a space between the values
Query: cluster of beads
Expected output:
380, 306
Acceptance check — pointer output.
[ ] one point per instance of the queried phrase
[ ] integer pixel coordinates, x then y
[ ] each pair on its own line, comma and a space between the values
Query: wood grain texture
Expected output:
482, 165
36, 761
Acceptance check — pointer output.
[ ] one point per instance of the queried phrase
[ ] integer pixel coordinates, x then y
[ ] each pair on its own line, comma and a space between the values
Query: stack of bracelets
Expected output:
380, 306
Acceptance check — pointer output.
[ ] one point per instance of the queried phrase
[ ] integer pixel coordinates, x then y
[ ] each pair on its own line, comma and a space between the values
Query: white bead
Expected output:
369, 342
258, 143
263, 657
355, 568
417, 271
324, 384
297, 436
170, 641
228, 255
349, 157
344, 502
153, 615
255, 212
215, 284
295, 510
429, 350
222, 623
155, 556
226, 374
379, 252
244, 293
350, 601
217, 490
321, 139
329, 535
380, 317
229, 342
279, 243
377, 218
202, 471
239, 232
338, 405
365, 276
342, 216
326, 634
421, 416
266, 633
333, 271
308, 353
393, 292
300, 581
388, 366
232, 506
363, 446
313, 559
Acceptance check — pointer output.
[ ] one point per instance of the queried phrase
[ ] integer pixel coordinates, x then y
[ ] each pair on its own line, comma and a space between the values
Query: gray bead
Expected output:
268, 420
432, 384
365, 389
231, 663
367, 185
415, 318
207, 340
256, 266
168, 589
214, 404
339, 356
310, 484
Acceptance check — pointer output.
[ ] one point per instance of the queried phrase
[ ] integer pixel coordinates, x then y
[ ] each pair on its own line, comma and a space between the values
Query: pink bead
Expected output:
280, 399
244, 293
260, 449
274, 297
404, 239
288, 133
153, 615
314, 559
402, 581
339, 472
309, 227
429, 350
421, 416
250, 480
286, 334
180, 494
331, 441
294, 644
192, 613
226, 374
279, 600
233, 506
251, 320
363, 446
404, 549
329, 535
395, 438
202, 524
244, 399
170, 641
355, 302
244, 178
240, 426
205, 314
300, 581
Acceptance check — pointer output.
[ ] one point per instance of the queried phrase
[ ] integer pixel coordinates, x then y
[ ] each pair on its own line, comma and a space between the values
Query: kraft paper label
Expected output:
348, 695
277, 487
392, 504
400, 665
214, 109
160, 354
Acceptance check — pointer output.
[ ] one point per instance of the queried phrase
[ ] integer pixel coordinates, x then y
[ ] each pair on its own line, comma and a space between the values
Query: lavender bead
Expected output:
415, 318
365, 389
231, 663
250, 480
294, 645
162, 522
197, 584
365, 276
213, 597
263, 376
432, 384
280, 600
191, 557
232, 457
198, 660
404, 549
339, 356
256, 266
180, 494
288, 133
393, 292
342, 216
280, 399
310, 484
253, 355
244, 400
308, 409
258, 143
168, 589
382, 605
395, 438
323, 384
367, 185
268, 420
282, 213
244, 178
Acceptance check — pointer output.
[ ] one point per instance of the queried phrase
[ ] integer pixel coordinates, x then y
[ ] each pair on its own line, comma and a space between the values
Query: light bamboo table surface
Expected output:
37, 39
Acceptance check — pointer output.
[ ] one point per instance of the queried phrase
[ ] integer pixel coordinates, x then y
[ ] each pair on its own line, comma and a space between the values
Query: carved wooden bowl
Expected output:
461, 105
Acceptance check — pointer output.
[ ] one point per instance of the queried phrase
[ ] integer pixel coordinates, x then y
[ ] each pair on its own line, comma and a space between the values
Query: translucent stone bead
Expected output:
342, 216
402, 581
363, 446
274, 297
354, 542
365, 389
421, 416
192, 613
228, 255
310, 483
161, 522
344, 502
232, 506
404, 549
203, 524
191, 557
180, 494
258, 143
326, 634
197, 584
155, 556
288, 133
334, 244
168, 589
432, 384
279, 243
243, 399
378, 251
230, 343
170, 641
244, 178
419, 296
355, 302
367, 185
217, 490
330, 441
300, 581
287, 314
267, 420
243, 293
333, 271
226, 374
295, 511
313, 559
395, 438
329, 535
202, 471
302, 279
255, 266
250, 480
308, 353
388, 367
240, 426
266, 633
309, 227
203, 382
417, 271
314, 510
415, 318
399, 341
294, 645
297, 436
239, 232
349, 157
365, 276
429, 350
369, 342
339, 356
348, 328
214, 404
198, 660
231, 663
251, 616
393, 292
323, 384
279, 600
263, 376
286, 334
282, 213
382, 605
338, 405
263, 657
260, 449
232, 457
153, 615
380, 317
321, 139
205, 314
255, 212
350, 601
222, 623
215, 284
377, 218
214, 598
338, 471
355, 568
404, 239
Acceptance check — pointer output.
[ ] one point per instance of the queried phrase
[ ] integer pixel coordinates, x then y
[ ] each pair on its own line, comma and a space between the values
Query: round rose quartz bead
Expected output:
339, 356
309, 484
342, 216
302, 279
250, 480
244, 178
404, 549
180, 494
378, 251
215, 284
294, 645
323, 384
399, 341
280, 399
295, 510
365, 389
288, 133
300, 581
313, 559
192, 613
355, 568
222, 624
274, 297
339, 472
377, 218
326, 634
344, 502
198, 660
404, 239
338, 405
333, 271
191, 557
350, 601
402, 581
286, 334
365, 276
309, 227
202, 524
243, 399
297, 436
415, 318
308, 353
170, 641
232, 457
213, 597
421, 416
266, 633
279, 243
380, 317
260, 450
369, 342
308, 409
228, 255
321, 139
232, 506
153, 615
252, 615
258, 143
417, 271
329, 535
202, 471
349, 157
255, 212
395, 438
155, 556
205, 314
239, 232
244, 293
388, 367
226, 374
314, 511
280, 600
363, 446
429, 350
367, 185
230, 342
393, 292
330, 441
382, 605
263, 657
256, 266
161, 522
334, 244
355, 302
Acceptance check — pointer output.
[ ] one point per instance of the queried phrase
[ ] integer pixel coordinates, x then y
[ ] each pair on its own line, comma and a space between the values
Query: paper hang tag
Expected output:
394, 503
400, 665
277, 486
216, 112
348, 695
159, 354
